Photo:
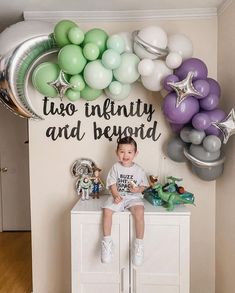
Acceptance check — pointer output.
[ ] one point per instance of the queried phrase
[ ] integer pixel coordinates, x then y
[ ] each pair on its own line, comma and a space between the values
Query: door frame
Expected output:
1, 215
7, 116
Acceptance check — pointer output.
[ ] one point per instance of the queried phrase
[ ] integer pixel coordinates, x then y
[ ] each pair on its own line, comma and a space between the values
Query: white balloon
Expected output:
146, 67
152, 35
154, 81
173, 60
128, 41
17, 33
181, 44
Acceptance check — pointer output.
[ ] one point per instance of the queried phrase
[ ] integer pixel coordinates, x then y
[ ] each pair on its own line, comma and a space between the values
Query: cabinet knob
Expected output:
4, 169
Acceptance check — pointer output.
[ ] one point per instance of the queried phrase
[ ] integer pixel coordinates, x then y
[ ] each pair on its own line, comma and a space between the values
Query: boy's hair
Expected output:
126, 140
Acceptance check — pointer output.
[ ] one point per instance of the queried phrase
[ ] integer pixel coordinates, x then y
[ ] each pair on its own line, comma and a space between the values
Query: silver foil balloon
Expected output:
227, 126
199, 163
199, 152
82, 167
184, 88
158, 52
61, 84
14, 70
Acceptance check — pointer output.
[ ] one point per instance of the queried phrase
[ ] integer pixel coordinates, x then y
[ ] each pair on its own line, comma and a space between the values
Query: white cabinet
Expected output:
166, 242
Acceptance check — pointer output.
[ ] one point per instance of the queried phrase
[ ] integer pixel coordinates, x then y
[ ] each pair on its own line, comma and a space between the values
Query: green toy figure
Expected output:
172, 186
171, 198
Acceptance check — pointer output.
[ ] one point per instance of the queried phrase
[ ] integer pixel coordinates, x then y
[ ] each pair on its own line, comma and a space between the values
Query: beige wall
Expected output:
225, 200
52, 187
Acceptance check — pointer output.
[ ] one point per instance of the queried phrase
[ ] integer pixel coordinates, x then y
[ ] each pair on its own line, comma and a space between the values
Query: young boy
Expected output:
126, 181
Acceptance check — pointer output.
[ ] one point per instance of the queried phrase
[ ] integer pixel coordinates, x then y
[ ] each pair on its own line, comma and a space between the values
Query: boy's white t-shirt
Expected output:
123, 176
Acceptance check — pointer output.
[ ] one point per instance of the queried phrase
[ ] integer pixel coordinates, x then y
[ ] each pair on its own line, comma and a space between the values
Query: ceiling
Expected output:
12, 11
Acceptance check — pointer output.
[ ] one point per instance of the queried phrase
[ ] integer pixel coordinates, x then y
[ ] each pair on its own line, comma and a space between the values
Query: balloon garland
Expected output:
92, 62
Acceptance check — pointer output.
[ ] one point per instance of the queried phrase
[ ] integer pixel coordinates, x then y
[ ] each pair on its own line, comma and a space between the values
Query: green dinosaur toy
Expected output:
172, 198
173, 179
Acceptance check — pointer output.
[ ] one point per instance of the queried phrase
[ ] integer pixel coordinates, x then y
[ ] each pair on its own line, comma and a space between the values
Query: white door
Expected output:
14, 175
166, 261
89, 275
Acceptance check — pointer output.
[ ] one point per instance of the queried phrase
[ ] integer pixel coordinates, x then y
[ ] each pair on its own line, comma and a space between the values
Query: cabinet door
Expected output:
89, 275
166, 262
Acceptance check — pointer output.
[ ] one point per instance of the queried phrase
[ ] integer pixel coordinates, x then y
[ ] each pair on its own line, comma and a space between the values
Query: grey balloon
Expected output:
212, 143
184, 133
196, 136
208, 173
200, 153
175, 149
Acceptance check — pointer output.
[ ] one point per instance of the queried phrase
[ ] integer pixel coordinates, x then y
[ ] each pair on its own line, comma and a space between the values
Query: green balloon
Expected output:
116, 43
78, 82
61, 32
71, 59
111, 59
98, 37
90, 94
72, 95
76, 35
44, 73
91, 51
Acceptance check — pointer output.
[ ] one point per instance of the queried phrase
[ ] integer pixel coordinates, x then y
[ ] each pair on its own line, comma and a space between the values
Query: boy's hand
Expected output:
135, 188
117, 198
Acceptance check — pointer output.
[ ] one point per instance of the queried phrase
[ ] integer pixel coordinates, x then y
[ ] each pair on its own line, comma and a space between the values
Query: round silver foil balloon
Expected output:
83, 167
158, 52
199, 163
14, 70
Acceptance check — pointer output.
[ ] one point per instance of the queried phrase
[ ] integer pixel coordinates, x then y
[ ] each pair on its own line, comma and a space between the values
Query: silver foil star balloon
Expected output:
61, 84
184, 88
227, 126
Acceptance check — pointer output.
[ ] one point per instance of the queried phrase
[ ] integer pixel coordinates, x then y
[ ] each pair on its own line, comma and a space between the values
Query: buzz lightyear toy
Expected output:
85, 187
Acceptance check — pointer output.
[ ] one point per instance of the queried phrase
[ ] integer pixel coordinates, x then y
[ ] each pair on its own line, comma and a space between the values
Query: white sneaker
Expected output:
106, 251
138, 254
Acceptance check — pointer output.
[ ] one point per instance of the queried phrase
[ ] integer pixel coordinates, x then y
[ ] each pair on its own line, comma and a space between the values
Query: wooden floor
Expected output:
15, 262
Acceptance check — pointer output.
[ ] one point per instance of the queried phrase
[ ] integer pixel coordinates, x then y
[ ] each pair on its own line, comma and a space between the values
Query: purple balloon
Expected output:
181, 114
212, 130
210, 102
197, 66
201, 121
203, 87
216, 115
170, 78
214, 87
176, 127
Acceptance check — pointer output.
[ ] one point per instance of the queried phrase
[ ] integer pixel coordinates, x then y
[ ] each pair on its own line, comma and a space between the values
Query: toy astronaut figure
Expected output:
85, 187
